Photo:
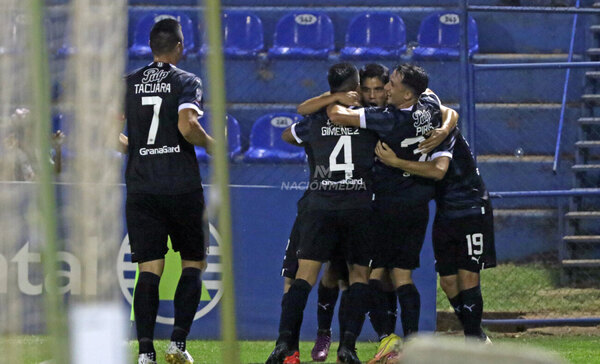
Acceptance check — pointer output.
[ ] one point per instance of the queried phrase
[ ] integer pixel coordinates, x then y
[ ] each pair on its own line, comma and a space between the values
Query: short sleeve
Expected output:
378, 119
301, 131
191, 94
430, 99
446, 149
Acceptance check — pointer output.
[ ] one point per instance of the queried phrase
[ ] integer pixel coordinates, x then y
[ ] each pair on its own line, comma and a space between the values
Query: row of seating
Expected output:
266, 145
310, 35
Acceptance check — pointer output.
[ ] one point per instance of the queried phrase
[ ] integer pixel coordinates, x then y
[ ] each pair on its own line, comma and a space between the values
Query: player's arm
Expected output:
192, 131
435, 169
315, 104
342, 115
437, 136
289, 138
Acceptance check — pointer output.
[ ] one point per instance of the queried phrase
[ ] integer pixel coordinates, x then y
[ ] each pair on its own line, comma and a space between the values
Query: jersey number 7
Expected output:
156, 101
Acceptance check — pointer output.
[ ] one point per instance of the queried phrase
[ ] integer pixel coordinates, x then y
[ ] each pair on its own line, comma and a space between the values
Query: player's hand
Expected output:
385, 153
123, 142
434, 138
350, 98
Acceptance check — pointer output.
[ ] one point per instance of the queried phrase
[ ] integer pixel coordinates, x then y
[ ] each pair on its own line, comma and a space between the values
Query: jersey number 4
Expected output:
156, 102
345, 144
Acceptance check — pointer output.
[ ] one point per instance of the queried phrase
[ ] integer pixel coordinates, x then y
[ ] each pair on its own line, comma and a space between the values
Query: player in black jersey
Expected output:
164, 190
463, 230
401, 200
334, 212
373, 78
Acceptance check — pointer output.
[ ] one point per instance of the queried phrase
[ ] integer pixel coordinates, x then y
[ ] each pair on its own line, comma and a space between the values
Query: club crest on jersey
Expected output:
154, 75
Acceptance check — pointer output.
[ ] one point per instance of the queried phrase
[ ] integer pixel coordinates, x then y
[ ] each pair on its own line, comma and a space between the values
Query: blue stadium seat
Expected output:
439, 37
373, 35
141, 37
303, 35
266, 145
242, 35
233, 139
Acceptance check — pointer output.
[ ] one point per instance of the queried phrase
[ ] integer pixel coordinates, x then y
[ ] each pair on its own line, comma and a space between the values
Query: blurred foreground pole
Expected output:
220, 176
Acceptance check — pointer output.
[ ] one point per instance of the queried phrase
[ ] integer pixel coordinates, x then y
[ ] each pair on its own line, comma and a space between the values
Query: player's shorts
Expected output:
151, 218
327, 234
290, 260
400, 234
464, 242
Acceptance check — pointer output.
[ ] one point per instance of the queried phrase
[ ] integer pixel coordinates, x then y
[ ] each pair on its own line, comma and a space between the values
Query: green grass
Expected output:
575, 349
534, 289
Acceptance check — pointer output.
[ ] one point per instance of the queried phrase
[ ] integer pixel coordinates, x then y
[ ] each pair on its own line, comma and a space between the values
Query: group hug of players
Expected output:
380, 146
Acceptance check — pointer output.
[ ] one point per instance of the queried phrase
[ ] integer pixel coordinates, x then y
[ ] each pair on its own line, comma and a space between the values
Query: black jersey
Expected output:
403, 130
160, 160
340, 160
462, 188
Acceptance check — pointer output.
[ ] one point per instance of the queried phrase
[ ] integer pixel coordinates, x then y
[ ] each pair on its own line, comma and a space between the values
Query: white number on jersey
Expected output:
410, 141
156, 101
475, 240
345, 143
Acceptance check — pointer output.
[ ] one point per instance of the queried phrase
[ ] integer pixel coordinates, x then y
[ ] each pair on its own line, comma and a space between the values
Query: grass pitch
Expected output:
575, 349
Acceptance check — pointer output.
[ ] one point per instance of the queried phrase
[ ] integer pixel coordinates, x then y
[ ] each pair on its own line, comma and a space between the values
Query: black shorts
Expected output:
290, 260
151, 218
465, 242
326, 234
400, 234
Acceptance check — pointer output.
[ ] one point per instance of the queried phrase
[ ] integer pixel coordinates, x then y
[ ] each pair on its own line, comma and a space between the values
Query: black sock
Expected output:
378, 308
410, 308
187, 298
326, 306
342, 311
292, 311
391, 306
145, 307
472, 311
358, 304
456, 303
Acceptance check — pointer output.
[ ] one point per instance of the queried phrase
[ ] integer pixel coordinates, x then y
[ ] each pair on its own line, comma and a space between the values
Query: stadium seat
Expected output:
265, 140
141, 37
233, 139
303, 35
242, 35
439, 37
373, 35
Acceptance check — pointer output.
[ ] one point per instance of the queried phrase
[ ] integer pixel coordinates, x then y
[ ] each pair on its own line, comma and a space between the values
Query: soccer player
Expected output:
164, 190
401, 199
335, 211
373, 78
463, 229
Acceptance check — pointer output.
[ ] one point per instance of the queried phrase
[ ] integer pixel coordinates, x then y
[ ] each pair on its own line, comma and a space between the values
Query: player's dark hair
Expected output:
342, 77
375, 70
165, 35
414, 77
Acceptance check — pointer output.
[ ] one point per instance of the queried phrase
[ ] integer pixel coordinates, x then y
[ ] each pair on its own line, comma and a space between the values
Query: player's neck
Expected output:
406, 104
166, 59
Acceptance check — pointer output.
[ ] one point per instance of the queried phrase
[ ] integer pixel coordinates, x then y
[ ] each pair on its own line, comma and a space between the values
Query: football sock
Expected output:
342, 311
391, 307
410, 308
327, 297
292, 310
472, 311
378, 308
456, 303
187, 298
145, 307
358, 305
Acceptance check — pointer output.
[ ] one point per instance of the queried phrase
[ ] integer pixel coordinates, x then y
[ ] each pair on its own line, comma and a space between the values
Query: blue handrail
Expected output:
548, 193
534, 9
537, 65
564, 96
